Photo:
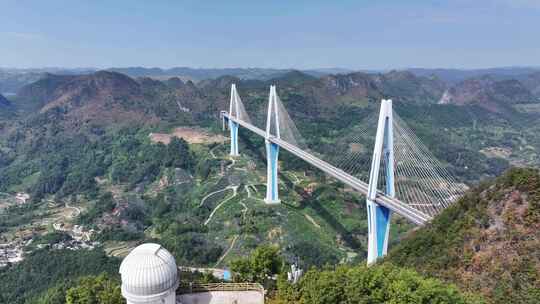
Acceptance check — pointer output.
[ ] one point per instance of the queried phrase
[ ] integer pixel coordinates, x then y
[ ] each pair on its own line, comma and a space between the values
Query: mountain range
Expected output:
87, 140
453, 76
13, 79
402, 86
322, 107
107, 98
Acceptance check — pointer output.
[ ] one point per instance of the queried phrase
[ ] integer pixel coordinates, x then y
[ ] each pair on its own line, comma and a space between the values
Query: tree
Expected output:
95, 290
54, 295
260, 266
44, 269
178, 154
384, 283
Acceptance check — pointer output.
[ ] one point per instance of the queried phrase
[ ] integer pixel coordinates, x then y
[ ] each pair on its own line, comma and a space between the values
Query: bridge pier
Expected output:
233, 126
224, 120
378, 229
272, 149
272, 185
379, 216
234, 111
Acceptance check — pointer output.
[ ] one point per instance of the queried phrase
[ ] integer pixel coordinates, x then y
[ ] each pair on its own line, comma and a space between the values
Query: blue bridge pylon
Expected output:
272, 149
379, 216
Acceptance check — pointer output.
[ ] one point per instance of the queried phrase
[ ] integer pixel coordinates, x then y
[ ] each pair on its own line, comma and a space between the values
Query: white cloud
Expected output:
23, 35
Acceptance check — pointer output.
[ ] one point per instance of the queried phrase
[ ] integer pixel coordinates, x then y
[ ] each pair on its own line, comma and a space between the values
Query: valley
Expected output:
276, 152
101, 162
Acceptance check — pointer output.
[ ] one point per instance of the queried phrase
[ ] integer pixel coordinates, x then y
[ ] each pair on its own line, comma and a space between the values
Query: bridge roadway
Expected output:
415, 216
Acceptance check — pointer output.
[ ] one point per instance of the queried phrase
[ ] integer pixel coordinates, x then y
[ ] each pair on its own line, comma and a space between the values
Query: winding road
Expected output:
235, 192
232, 164
77, 210
212, 193
212, 152
227, 252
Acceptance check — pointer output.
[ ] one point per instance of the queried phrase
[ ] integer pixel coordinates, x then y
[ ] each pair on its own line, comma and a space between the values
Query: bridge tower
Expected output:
272, 149
379, 216
234, 111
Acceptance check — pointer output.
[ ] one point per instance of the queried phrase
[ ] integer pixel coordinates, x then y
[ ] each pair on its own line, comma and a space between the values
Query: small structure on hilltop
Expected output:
149, 275
295, 274
22, 197
221, 293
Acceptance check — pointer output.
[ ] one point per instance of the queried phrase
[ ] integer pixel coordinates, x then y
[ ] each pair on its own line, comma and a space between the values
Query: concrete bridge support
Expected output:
233, 127
224, 120
272, 150
379, 216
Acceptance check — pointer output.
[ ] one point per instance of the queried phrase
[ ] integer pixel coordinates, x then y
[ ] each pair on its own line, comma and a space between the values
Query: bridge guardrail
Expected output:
207, 287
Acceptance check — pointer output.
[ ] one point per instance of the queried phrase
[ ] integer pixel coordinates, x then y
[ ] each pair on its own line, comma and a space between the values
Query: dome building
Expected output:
149, 275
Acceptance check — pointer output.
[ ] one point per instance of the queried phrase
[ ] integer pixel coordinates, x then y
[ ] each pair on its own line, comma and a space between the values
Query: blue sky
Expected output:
278, 33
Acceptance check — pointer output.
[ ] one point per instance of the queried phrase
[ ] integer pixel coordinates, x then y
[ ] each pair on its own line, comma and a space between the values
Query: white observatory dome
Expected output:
149, 275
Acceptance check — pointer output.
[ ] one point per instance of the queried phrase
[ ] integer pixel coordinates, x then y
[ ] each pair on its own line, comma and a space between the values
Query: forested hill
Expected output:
101, 100
103, 151
483, 127
490, 94
477, 143
488, 242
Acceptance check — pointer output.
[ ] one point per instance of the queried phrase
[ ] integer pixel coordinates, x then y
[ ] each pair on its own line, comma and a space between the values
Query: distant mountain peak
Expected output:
222, 82
175, 83
400, 74
293, 78
488, 93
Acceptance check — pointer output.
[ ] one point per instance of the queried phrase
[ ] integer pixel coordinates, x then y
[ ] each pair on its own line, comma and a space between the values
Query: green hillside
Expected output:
128, 160
488, 242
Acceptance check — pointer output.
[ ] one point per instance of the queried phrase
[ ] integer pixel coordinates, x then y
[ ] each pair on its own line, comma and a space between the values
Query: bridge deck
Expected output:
391, 203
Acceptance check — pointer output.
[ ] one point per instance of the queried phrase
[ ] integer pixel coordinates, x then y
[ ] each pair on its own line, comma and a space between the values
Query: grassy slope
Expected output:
489, 241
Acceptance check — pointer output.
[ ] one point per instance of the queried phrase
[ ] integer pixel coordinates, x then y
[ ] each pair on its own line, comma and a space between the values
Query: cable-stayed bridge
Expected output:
412, 182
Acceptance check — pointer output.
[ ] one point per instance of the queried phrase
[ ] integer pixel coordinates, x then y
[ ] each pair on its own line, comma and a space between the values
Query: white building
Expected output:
149, 276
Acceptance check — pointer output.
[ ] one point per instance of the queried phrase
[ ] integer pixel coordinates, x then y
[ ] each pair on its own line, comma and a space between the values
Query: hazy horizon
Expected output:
269, 68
